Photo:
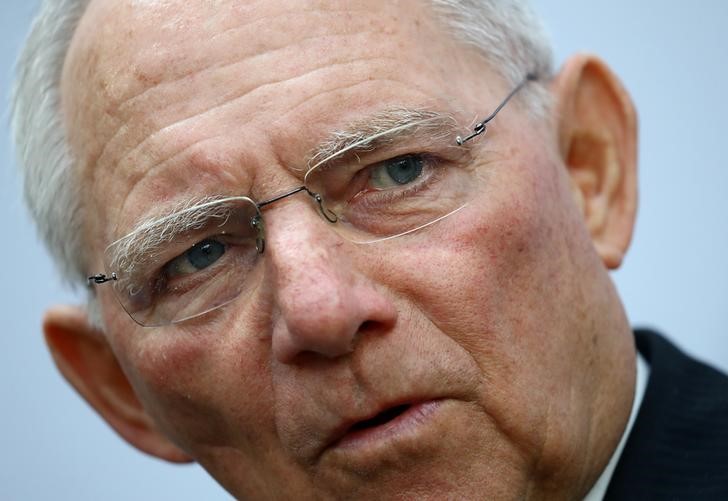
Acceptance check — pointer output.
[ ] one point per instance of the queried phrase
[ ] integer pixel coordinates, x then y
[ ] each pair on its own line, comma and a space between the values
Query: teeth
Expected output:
381, 418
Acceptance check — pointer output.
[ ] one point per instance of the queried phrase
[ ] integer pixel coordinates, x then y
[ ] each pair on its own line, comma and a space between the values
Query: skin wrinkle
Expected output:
484, 372
201, 73
482, 302
252, 24
173, 127
498, 424
131, 105
135, 148
214, 435
155, 231
113, 235
274, 16
267, 54
482, 379
322, 95
131, 251
364, 134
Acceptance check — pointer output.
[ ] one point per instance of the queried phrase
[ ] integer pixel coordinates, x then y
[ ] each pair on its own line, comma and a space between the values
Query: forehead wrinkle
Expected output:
224, 103
136, 180
139, 100
231, 58
137, 177
246, 59
162, 43
128, 105
422, 96
375, 123
247, 94
165, 224
130, 123
261, 19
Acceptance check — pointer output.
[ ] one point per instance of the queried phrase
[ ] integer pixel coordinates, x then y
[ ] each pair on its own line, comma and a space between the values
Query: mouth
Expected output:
380, 419
384, 426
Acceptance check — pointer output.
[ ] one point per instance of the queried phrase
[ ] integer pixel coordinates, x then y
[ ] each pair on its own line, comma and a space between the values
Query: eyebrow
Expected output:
380, 129
383, 128
162, 228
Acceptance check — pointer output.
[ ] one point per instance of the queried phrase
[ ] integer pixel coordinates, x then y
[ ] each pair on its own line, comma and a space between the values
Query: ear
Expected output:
597, 127
85, 359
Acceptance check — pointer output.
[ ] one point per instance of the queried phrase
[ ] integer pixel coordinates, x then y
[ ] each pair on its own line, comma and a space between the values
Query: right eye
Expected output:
397, 172
196, 258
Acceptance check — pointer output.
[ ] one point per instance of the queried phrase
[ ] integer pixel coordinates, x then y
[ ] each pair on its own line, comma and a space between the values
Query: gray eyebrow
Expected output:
380, 129
360, 136
160, 229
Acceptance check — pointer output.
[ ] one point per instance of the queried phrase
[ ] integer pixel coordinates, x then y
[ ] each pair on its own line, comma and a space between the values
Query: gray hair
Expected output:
507, 32
510, 36
52, 192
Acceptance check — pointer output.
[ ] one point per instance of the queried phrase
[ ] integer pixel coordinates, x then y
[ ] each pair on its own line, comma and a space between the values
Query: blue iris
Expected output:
205, 253
404, 170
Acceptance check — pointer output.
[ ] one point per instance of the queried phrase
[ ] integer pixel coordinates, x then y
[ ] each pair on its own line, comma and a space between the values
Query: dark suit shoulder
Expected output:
678, 447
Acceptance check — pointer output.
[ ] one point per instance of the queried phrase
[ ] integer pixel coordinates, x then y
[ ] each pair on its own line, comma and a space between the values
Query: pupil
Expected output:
405, 170
205, 253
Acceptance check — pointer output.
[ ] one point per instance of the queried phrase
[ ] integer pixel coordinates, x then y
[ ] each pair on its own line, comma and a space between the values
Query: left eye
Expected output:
198, 257
396, 172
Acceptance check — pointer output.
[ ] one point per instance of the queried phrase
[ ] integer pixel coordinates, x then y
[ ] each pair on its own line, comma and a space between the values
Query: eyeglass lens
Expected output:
386, 185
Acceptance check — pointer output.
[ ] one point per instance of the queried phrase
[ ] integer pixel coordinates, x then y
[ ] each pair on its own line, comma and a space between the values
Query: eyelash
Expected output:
432, 172
183, 283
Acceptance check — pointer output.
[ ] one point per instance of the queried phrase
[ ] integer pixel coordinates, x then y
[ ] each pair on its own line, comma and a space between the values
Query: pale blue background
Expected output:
673, 60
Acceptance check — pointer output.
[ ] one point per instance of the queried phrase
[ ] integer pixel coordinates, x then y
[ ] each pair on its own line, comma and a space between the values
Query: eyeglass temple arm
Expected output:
482, 126
257, 221
101, 279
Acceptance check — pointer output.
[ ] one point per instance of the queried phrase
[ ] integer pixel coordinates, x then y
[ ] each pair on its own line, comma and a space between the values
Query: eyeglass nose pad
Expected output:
256, 222
328, 214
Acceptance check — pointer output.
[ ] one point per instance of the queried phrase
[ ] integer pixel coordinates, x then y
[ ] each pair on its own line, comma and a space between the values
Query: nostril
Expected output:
368, 325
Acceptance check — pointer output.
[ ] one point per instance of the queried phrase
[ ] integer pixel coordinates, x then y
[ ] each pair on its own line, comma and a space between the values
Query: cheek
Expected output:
489, 262
493, 282
518, 273
203, 384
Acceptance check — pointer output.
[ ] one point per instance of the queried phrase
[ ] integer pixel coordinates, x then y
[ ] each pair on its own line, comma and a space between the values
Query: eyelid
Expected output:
227, 239
188, 281
174, 267
443, 146
150, 235
431, 172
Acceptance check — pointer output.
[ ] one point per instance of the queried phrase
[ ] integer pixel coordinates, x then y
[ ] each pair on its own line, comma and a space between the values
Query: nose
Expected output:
324, 297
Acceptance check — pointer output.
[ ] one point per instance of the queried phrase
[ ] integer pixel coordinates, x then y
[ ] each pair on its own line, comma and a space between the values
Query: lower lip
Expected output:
407, 423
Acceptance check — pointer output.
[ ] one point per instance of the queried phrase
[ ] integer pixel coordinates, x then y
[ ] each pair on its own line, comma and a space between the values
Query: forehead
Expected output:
167, 100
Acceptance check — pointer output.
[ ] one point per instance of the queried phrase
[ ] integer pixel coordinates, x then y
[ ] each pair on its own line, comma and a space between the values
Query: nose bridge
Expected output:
327, 214
322, 296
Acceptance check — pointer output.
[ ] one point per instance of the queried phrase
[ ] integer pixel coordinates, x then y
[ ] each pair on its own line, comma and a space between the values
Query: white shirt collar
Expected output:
600, 488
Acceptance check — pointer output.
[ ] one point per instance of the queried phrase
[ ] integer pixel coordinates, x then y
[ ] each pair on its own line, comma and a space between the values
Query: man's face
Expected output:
483, 345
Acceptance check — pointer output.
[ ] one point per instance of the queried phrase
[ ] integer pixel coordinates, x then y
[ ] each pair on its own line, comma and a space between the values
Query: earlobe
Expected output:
86, 360
597, 137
